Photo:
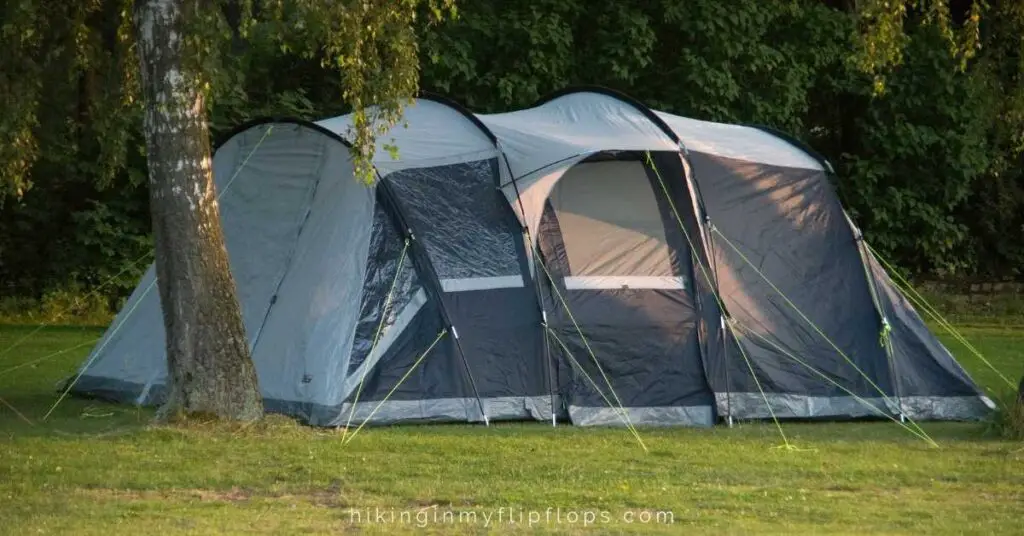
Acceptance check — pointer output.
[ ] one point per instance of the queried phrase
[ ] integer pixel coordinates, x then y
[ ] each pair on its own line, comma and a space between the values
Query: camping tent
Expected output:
585, 259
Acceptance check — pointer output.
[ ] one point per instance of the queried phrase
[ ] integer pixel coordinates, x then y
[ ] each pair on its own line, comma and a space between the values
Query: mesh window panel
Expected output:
461, 219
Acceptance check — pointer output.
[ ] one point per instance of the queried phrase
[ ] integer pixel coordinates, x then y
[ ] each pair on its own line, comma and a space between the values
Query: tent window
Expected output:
612, 228
463, 221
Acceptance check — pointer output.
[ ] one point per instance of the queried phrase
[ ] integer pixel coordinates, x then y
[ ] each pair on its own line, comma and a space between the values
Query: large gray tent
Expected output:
586, 259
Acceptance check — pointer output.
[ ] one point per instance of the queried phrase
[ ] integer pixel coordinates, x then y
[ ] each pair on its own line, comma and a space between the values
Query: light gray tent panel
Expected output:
430, 134
266, 182
571, 126
303, 350
132, 351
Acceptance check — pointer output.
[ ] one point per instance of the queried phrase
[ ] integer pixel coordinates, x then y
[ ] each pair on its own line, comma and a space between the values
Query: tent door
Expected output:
622, 273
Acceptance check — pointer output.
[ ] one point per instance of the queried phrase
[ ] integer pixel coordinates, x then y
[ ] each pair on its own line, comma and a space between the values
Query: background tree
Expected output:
81, 170
883, 39
210, 369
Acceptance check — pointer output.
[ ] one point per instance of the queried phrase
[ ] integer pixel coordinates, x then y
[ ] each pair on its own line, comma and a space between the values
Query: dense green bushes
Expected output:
931, 168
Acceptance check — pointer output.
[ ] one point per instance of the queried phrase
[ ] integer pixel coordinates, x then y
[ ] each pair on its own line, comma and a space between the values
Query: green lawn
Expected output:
96, 468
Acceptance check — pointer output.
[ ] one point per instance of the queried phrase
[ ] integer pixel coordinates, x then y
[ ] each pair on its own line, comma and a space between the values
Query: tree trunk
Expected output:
208, 359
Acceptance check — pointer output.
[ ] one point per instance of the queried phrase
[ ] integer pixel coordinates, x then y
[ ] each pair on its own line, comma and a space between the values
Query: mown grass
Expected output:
95, 468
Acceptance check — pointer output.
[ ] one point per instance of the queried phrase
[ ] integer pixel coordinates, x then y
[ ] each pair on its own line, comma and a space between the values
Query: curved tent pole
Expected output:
618, 95
648, 113
704, 226
470, 116
825, 164
696, 197
691, 187
725, 327
533, 254
273, 120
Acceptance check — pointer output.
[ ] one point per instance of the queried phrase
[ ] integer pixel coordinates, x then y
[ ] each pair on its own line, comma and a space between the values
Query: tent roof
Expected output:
435, 132
573, 125
738, 142
566, 127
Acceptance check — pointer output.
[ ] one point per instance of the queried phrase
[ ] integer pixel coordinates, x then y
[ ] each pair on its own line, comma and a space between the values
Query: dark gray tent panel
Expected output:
586, 259
788, 223
928, 381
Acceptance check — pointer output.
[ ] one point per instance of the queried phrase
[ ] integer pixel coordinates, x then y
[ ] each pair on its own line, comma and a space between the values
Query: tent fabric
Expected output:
929, 382
419, 141
574, 125
586, 259
787, 222
738, 143
610, 214
635, 345
461, 222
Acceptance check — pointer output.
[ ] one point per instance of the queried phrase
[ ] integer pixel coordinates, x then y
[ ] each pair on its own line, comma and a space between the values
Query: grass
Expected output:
1002, 308
95, 468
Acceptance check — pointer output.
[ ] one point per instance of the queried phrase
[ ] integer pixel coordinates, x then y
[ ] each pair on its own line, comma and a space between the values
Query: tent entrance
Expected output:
624, 307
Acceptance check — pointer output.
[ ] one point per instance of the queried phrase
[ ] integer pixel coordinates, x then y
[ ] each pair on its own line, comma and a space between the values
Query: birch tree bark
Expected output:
210, 369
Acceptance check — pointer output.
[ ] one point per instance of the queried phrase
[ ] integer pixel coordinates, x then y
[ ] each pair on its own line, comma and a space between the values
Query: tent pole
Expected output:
884, 336
550, 367
532, 252
725, 359
707, 243
547, 346
465, 362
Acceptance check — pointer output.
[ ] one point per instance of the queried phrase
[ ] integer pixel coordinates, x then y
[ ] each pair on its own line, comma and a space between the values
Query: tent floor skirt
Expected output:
793, 406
